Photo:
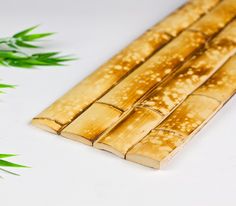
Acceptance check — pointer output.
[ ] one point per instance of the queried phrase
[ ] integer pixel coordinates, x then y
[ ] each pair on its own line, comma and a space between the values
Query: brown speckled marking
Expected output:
222, 14
69, 106
170, 94
173, 24
223, 83
191, 114
133, 87
86, 127
173, 91
129, 131
152, 72
155, 147
162, 64
168, 137
172, 133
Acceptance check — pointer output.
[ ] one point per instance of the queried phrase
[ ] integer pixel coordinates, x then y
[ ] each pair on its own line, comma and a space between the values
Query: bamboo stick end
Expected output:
143, 160
108, 148
46, 124
76, 137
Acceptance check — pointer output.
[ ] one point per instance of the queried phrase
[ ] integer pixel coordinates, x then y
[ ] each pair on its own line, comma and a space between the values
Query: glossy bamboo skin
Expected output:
166, 97
122, 96
129, 91
74, 102
167, 138
89, 125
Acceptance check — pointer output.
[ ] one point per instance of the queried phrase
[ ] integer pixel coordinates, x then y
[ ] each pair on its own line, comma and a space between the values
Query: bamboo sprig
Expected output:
3, 86
22, 39
4, 163
12, 53
18, 59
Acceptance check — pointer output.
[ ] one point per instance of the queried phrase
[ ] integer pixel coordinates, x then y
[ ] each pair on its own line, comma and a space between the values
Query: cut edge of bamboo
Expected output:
46, 124
152, 163
108, 148
144, 161
77, 138
104, 144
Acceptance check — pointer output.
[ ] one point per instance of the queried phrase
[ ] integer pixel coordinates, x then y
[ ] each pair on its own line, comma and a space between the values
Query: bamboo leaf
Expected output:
45, 55
24, 32
11, 54
11, 45
26, 45
20, 64
6, 86
7, 155
33, 37
4, 163
15, 57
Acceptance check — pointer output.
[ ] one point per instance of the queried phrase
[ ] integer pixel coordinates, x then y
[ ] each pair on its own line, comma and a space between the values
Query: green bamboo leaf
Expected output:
2, 62
26, 45
34, 62
24, 32
7, 155
4, 163
6, 86
11, 54
19, 63
17, 58
11, 45
45, 55
33, 37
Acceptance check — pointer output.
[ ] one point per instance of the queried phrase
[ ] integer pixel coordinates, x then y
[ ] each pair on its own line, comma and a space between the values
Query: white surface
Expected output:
67, 173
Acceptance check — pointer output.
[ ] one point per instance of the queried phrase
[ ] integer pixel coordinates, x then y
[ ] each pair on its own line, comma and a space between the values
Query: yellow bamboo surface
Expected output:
169, 56
129, 131
167, 138
166, 97
95, 114
69, 106
151, 73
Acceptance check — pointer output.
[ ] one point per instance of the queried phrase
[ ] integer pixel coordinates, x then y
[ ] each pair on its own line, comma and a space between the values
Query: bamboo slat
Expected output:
166, 97
129, 91
167, 138
168, 59
94, 114
74, 102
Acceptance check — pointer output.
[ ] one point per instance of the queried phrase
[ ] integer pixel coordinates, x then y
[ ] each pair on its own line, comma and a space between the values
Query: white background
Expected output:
67, 173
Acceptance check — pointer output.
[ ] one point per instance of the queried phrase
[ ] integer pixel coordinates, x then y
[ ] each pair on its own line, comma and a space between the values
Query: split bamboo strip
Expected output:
166, 97
129, 91
166, 139
74, 102
90, 124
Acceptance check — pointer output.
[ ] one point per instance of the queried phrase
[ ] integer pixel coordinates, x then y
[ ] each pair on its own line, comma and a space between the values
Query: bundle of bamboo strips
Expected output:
73, 103
148, 100
166, 97
104, 113
167, 138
